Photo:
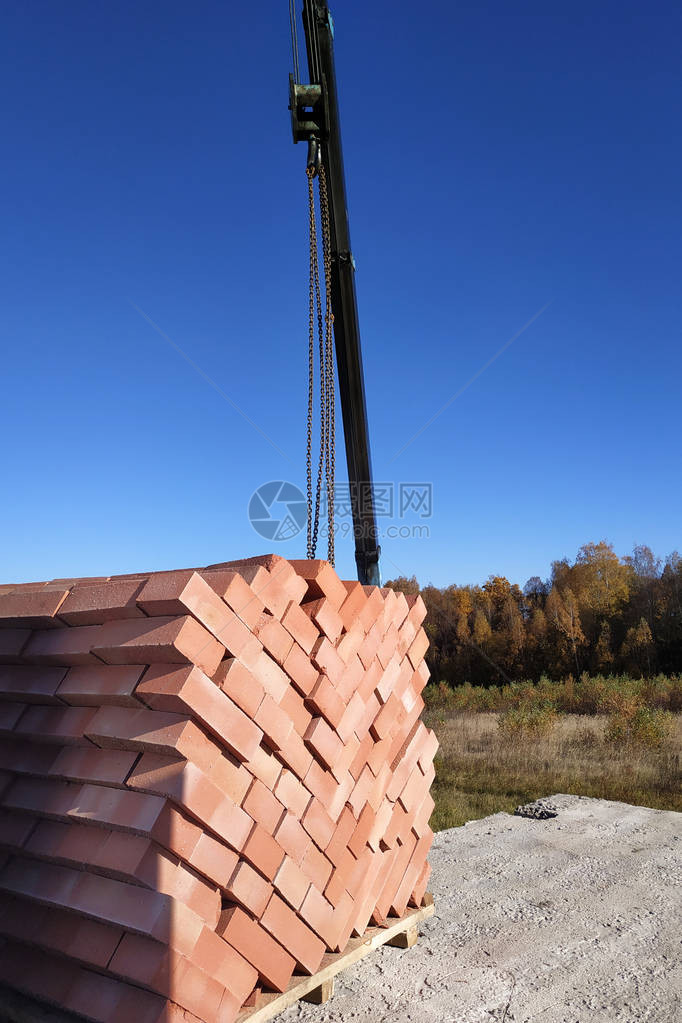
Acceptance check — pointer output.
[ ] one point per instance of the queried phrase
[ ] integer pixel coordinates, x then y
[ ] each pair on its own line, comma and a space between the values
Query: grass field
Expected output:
626, 748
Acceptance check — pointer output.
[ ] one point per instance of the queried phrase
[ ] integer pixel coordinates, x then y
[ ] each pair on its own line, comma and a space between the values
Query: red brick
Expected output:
15, 829
264, 766
231, 777
263, 851
372, 612
186, 785
318, 823
21, 756
41, 975
150, 731
352, 718
101, 602
190, 691
240, 685
277, 567
361, 757
326, 659
336, 885
323, 743
270, 676
299, 626
422, 817
300, 670
293, 706
371, 645
212, 859
89, 765
388, 646
274, 637
382, 821
419, 890
97, 684
385, 719
30, 684
317, 867
262, 805
417, 608
366, 822
351, 678
179, 835
344, 829
382, 867
237, 593
388, 679
148, 962
267, 588
350, 643
291, 882
248, 888
276, 725
292, 838
401, 859
285, 926
325, 616
295, 755
217, 958
254, 943
292, 793
360, 793
429, 750
399, 825
322, 581
320, 782
87, 941
12, 643
353, 604
378, 791
31, 608
372, 708
412, 872
418, 648
65, 646
344, 787
157, 640
325, 701
65, 725
319, 915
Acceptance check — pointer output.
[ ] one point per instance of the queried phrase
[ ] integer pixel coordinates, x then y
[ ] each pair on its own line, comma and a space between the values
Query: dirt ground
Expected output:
570, 920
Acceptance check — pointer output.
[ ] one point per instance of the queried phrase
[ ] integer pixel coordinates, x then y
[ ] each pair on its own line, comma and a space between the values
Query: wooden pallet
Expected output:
319, 988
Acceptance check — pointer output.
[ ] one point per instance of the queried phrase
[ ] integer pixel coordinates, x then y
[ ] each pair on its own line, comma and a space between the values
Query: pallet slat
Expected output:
304, 988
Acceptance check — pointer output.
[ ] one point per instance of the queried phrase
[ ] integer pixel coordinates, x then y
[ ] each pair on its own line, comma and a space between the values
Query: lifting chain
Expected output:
324, 320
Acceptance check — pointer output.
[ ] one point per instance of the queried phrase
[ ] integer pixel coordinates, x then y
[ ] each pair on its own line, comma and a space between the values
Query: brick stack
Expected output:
208, 778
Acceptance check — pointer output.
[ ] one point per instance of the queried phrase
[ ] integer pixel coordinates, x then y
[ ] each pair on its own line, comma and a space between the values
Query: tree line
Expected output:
599, 614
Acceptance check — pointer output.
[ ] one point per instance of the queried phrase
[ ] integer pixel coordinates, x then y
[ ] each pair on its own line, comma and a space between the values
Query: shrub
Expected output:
643, 727
527, 722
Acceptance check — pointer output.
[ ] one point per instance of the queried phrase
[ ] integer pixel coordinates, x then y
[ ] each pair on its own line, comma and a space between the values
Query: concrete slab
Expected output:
576, 919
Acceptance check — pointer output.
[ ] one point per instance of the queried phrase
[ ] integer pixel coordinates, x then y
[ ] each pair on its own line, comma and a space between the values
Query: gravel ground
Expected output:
569, 920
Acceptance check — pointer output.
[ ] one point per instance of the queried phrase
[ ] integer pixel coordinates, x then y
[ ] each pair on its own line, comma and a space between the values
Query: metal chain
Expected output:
330, 410
327, 456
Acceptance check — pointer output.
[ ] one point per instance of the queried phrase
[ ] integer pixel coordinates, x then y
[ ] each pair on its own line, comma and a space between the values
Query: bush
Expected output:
644, 727
527, 722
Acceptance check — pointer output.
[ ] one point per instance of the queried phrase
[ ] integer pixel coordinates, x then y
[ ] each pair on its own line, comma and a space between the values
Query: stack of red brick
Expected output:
208, 779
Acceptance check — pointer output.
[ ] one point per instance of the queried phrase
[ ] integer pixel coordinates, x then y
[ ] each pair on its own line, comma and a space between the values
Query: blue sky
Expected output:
496, 161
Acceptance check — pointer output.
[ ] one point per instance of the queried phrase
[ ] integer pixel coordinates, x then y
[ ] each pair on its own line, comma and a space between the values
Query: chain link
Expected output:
325, 320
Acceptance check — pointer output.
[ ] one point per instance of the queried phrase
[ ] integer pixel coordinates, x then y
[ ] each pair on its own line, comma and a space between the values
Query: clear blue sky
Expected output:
497, 159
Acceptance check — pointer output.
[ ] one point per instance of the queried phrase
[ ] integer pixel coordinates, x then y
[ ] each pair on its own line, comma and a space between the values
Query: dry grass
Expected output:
483, 768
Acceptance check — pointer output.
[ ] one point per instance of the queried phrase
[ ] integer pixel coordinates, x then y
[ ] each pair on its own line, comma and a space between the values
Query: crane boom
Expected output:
315, 115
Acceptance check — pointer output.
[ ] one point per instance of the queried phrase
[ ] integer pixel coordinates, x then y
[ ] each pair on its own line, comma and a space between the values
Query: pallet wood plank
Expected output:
334, 963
